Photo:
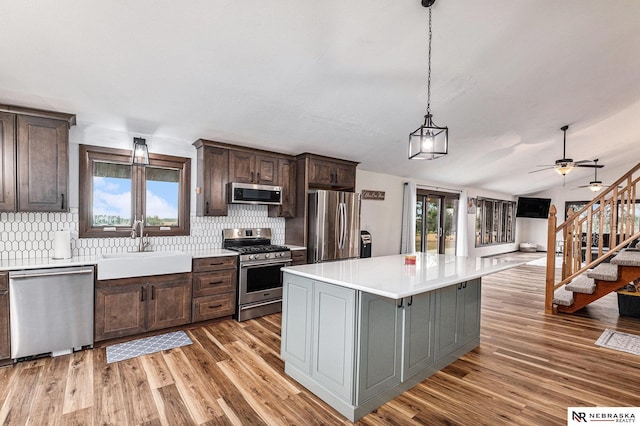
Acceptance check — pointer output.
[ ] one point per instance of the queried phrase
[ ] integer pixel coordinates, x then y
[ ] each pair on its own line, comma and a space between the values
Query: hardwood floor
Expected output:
528, 369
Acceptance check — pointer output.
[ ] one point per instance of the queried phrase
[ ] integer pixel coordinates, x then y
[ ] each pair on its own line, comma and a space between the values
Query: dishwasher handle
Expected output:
20, 275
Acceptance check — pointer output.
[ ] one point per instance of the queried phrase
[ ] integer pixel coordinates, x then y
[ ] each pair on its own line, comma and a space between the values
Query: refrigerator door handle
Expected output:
343, 225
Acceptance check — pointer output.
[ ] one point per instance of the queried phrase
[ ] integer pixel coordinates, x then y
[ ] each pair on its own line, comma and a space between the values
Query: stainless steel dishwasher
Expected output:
51, 310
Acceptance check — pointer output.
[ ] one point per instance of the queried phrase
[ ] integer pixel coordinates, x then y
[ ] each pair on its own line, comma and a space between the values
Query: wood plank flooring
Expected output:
528, 369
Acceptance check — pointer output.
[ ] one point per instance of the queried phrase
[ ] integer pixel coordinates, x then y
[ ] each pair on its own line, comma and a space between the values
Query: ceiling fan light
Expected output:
564, 169
595, 186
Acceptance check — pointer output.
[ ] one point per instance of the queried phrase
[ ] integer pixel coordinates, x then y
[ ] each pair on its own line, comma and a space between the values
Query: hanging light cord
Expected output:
429, 69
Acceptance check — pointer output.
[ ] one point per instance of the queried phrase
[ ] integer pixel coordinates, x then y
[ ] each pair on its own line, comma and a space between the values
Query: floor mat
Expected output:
146, 345
620, 341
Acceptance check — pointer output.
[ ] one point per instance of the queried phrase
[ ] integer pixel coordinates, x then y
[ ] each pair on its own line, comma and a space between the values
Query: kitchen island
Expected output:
359, 332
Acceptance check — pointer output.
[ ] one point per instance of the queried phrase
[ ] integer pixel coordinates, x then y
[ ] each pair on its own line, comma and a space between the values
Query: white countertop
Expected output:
43, 262
388, 276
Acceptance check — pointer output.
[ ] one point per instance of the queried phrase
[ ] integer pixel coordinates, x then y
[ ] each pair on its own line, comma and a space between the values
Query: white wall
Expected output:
384, 218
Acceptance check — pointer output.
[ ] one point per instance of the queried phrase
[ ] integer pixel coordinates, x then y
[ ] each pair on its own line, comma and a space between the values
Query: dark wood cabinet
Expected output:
220, 163
7, 160
43, 164
327, 173
215, 282
249, 167
298, 257
5, 334
34, 153
287, 180
213, 175
130, 306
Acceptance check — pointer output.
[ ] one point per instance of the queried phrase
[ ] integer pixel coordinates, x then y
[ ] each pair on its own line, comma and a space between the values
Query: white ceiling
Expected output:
345, 78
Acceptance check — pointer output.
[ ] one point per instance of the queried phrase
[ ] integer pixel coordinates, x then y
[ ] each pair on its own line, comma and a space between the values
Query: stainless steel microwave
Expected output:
248, 193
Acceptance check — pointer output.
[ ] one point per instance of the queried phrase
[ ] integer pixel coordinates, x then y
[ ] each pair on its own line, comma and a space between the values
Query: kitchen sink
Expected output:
139, 264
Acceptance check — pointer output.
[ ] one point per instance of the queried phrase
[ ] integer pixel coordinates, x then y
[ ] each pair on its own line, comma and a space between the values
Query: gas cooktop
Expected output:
266, 248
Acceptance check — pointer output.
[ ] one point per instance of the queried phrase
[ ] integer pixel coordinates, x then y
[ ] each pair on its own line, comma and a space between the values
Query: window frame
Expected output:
89, 154
501, 228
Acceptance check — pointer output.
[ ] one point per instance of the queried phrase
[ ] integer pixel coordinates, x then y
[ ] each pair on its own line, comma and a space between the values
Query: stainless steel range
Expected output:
260, 278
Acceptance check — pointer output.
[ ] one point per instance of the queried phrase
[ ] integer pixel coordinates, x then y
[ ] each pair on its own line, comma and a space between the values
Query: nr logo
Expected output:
578, 416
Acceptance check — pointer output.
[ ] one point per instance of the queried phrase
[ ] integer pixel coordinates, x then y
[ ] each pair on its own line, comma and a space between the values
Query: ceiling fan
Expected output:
595, 185
564, 165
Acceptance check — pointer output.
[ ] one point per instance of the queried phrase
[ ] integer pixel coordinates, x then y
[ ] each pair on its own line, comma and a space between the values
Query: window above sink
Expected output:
114, 193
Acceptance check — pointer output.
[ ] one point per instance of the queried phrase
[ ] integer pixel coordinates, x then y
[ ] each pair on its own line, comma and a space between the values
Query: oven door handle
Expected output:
251, 265
257, 305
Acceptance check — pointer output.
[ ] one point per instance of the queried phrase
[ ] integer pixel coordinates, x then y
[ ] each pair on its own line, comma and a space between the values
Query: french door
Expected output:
436, 222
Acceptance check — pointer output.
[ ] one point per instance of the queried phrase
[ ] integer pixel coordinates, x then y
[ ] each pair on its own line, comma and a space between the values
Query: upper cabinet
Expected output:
248, 167
34, 150
287, 180
325, 173
213, 175
220, 163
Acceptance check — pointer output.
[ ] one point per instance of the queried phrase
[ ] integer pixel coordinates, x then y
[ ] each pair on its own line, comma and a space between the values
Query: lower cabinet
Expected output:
130, 306
214, 287
457, 316
298, 257
356, 350
5, 333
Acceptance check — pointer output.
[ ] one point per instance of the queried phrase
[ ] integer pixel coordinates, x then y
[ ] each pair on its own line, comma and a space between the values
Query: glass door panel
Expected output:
450, 226
433, 228
436, 224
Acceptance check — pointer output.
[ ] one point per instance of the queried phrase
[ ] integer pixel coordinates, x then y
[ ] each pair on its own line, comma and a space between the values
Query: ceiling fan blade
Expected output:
592, 166
539, 170
583, 161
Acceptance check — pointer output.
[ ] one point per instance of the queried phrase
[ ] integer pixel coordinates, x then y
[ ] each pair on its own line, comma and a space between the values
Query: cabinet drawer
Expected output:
210, 307
215, 263
209, 283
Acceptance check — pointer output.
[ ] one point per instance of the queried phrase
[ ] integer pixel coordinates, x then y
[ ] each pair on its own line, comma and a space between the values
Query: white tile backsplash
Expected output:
30, 235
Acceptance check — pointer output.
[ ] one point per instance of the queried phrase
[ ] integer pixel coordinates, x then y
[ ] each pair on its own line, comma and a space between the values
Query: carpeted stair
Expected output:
604, 272
582, 284
597, 282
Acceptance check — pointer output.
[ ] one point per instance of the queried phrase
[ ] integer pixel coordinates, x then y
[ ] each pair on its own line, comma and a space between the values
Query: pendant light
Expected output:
429, 141
140, 155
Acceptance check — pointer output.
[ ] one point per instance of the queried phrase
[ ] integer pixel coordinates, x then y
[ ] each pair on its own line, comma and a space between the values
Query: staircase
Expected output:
590, 269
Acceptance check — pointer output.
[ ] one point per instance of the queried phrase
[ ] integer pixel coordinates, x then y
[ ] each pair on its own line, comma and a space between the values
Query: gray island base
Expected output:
359, 332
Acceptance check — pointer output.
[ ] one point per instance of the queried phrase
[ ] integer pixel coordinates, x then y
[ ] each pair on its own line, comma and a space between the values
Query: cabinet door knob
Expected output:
153, 292
62, 204
207, 208
215, 282
258, 180
215, 306
142, 294
251, 176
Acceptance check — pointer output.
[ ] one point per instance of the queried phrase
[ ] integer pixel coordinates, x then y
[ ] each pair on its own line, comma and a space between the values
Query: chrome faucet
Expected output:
142, 244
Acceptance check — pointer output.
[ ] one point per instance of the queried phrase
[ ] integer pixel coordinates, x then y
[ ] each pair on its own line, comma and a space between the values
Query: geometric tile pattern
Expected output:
147, 345
620, 341
30, 235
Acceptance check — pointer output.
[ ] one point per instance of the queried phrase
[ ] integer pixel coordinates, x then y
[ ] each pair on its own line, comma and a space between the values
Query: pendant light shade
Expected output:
140, 156
428, 141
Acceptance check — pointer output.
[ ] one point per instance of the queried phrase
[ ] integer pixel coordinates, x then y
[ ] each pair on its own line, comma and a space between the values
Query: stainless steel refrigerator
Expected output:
334, 225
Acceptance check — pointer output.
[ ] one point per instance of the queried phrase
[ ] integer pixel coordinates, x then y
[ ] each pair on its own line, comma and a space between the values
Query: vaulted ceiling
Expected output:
344, 78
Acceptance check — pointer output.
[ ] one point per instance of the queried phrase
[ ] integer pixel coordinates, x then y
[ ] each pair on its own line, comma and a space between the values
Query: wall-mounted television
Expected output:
536, 208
